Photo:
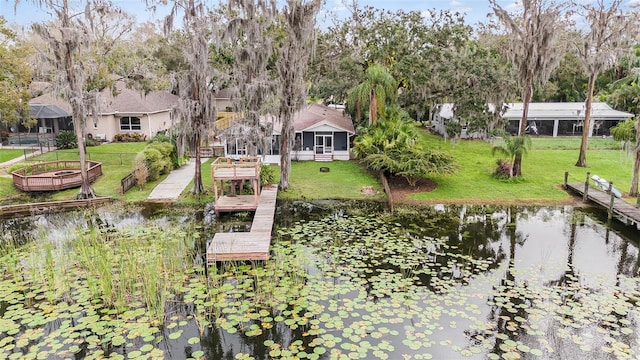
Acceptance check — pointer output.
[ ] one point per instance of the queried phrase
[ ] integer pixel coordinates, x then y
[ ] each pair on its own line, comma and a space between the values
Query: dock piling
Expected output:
585, 195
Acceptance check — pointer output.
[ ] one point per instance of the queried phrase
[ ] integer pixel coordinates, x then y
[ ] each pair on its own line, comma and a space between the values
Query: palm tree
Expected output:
514, 147
378, 89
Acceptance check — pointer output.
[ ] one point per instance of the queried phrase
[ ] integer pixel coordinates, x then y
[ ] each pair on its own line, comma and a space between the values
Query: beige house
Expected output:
126, 112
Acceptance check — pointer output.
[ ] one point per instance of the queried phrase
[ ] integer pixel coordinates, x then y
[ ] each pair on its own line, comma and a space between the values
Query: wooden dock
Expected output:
617, 208
253, 245
51, 206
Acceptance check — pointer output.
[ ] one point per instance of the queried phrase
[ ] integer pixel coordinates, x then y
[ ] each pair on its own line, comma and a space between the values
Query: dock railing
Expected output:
228, 168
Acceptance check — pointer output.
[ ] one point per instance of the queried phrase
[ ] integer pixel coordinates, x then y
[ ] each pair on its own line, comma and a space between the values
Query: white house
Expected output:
564, 119
548, 119
321, 134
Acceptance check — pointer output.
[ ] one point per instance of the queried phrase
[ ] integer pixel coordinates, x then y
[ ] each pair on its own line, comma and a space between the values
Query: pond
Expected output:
343, 281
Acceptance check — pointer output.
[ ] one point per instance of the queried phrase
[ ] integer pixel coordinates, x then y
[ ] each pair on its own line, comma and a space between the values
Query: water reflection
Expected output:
447, 281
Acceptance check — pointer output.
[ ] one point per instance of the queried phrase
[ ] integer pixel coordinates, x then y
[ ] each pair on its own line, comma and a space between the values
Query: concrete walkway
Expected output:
28, 154
171, 187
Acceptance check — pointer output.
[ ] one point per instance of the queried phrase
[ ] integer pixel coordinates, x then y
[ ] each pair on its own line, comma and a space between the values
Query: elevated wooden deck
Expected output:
54, 175
226, 169
621, 210
253, 245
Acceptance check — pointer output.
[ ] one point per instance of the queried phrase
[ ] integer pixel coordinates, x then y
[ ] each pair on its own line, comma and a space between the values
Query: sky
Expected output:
475, 10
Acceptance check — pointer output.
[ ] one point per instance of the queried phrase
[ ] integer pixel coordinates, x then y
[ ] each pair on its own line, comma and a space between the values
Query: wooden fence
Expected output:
128, 182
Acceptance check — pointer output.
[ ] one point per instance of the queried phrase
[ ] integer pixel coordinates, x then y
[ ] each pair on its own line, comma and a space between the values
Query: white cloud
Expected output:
633, 3
455, 3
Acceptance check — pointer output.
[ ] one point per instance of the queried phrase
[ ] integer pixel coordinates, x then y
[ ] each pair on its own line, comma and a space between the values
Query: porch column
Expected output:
556, 123
519, 125
591, 123
149, 121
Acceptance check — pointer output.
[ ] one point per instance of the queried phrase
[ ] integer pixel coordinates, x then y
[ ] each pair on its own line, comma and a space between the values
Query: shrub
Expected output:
502, 170
66, 139
267, 174
153, 160
166, 150
162, 137
90, 142
130, 137
141, 172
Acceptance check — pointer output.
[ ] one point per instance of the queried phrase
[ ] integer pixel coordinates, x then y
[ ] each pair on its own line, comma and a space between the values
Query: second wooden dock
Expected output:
617, 208
253, 245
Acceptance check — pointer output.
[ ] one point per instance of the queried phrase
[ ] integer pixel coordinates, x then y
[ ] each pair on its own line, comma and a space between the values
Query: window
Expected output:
130, 123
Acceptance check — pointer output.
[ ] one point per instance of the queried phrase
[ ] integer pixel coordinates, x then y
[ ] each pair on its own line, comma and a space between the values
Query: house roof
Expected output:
314, 116
47, 111
226, 93
564, 111
126, 101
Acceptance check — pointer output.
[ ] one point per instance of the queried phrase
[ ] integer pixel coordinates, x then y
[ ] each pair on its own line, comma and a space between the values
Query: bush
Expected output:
66, 139
154, 161
141, 172
129, 137
162, 137
502, 170
267, 174
90, 142
166, 150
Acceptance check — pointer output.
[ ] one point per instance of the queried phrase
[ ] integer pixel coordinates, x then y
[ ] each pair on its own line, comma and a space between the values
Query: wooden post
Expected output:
586, 188
566, 177
610, 213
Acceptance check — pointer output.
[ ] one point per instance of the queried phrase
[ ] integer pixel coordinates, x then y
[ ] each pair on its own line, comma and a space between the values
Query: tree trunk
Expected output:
86, 191
373, 108
636, 168
198, 188
526, 99
286, 143
527, 93
582, 158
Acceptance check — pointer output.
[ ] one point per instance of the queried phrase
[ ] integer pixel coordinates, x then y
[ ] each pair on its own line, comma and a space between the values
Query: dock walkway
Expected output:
621, 210
252, 245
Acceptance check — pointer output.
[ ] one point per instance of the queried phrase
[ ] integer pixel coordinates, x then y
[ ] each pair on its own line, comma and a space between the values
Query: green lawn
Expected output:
117, 162
543, 172
10, 154
344, 180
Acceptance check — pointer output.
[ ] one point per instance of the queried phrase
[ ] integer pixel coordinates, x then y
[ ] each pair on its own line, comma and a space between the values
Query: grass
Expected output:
344, 180
543, 172
117, 162
187, 198
10, 154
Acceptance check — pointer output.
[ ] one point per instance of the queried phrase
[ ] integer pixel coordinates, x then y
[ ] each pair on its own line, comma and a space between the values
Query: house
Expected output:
443, 114
128, 111
548, 119
321, 134
564, 119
